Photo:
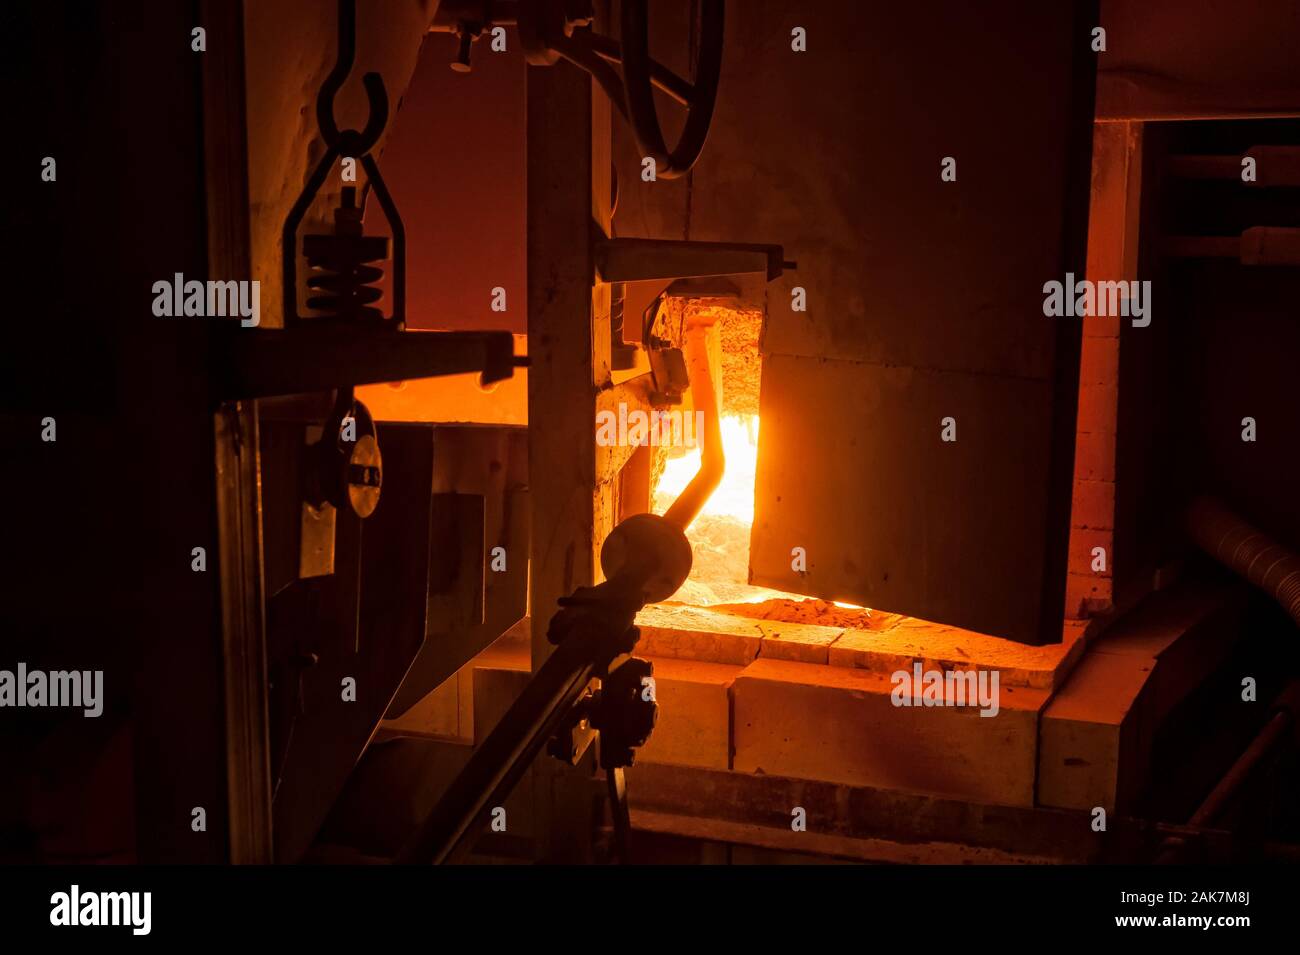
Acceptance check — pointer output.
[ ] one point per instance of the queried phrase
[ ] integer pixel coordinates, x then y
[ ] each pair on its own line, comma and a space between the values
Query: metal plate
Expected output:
925, 297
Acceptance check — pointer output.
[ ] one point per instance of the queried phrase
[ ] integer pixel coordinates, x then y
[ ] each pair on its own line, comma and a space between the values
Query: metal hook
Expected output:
350, 142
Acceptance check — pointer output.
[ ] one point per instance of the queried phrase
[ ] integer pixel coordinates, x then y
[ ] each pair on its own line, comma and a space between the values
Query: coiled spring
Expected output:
340, 266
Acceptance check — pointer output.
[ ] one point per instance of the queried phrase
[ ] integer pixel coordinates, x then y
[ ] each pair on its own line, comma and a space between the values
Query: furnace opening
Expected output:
720, 535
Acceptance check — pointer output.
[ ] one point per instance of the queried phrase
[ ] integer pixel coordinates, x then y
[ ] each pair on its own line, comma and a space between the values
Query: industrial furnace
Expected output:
603, 431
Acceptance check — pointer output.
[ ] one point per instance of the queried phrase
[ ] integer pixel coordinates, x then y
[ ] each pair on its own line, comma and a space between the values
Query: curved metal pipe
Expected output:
713, 461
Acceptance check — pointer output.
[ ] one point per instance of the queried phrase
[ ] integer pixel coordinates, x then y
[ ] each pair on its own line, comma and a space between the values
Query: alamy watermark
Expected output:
1088, 299
212, 299
921, 687
54, 688
657, 429
75, 907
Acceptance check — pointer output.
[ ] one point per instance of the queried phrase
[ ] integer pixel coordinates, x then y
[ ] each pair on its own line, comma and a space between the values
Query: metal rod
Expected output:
713, 460
594, 626
1223, 794
678, 89
1229, 787
498, 764
273, 361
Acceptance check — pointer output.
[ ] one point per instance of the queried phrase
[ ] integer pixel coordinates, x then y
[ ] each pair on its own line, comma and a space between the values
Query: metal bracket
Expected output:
642, 260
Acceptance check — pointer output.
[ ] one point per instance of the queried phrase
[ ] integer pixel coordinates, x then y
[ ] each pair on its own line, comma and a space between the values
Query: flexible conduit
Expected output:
1247, 551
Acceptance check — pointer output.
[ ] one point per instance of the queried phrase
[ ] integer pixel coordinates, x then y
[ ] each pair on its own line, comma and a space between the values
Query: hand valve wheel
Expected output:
551, 29
639, 72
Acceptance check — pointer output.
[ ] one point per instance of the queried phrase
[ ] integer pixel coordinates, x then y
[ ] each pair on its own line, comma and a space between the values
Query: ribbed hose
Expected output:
1247, 551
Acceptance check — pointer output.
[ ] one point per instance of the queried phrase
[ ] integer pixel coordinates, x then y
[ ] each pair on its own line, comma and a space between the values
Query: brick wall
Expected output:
1112, 256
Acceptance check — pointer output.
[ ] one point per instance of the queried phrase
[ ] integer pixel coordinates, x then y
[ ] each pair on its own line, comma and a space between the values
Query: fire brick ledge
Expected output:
696, 633
1098, 730
694, 725
840, 725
